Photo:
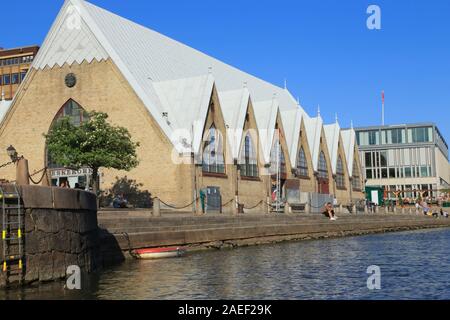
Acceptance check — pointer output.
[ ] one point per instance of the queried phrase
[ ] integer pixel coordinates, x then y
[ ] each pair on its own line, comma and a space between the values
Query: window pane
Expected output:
15, 78
6, 79
368, 157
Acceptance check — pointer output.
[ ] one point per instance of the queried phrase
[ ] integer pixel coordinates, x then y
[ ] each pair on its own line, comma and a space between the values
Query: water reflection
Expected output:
413, 264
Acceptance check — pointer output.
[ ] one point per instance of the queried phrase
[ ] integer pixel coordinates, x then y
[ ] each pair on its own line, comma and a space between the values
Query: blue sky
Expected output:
323, 48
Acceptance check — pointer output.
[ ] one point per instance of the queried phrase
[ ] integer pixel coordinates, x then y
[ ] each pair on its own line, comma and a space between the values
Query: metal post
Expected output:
278, 177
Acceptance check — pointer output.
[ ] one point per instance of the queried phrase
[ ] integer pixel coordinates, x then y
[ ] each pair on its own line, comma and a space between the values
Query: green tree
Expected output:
94, 144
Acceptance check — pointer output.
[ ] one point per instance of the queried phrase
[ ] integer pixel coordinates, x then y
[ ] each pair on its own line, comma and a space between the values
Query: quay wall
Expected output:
60, 230
222, 231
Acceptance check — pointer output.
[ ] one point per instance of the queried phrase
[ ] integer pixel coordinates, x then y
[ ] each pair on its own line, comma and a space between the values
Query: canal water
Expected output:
414, 265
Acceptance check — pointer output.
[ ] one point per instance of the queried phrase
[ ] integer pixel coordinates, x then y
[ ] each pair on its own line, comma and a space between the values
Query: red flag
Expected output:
382, 96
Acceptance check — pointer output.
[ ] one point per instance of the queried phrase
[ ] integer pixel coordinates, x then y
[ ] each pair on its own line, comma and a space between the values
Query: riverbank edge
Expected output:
260, 241
243, 236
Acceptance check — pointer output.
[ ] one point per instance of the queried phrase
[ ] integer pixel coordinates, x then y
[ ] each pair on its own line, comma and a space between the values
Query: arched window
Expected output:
302, 164
277, 149
76, 115
73, 111
248, 162
323, 170
340, 177
213, 159
356, 179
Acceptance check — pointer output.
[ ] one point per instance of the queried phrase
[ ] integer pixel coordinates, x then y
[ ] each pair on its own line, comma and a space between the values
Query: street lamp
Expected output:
12, 153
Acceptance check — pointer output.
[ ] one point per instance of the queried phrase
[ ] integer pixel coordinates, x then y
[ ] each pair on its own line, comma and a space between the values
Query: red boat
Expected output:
159, 253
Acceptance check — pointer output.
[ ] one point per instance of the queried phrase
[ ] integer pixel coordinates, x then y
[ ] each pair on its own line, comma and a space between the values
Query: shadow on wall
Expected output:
128, 190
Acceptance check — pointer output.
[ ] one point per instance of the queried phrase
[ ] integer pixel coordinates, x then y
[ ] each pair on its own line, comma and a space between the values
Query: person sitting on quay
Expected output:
329, 212
120, 202
444, 213
425, 208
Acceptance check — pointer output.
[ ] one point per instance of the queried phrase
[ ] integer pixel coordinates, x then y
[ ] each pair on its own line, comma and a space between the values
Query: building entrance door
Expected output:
324, 186
213, 200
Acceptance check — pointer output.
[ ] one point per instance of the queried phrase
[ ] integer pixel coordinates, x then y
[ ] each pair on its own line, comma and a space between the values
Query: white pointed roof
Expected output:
349, 142
4, 108
332, 134
313, 133
69, 40
234, 106
168, 76
142, 55
185, 103
266, 118
292, 120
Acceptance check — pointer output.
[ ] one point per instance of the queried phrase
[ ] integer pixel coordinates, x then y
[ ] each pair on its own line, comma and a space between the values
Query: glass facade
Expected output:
395, 136
398, 163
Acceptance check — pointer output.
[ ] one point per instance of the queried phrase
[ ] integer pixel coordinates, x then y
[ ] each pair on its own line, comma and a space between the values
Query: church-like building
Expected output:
204, 127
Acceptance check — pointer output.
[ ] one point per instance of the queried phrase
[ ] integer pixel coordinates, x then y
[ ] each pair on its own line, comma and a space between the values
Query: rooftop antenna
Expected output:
336, 117
285, 84
351, 124
318, 110
298, 101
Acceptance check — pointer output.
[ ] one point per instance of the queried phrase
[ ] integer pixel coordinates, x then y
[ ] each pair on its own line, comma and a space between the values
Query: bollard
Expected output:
46, 181
268, 205
386, 210
377, 209
410, 211
354, 209
341, 209
22, 177
366, 210
157, 207
403, 210
307, 208
395, 209
287, 208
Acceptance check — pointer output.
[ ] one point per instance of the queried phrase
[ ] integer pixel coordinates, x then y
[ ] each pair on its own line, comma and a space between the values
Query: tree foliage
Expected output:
94, 144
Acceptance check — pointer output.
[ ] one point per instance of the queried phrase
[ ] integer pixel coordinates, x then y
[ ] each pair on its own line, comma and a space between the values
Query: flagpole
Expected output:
382, 108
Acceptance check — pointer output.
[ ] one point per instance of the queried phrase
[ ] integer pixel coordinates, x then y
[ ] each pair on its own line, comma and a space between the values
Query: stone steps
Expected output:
149, 226
204, 235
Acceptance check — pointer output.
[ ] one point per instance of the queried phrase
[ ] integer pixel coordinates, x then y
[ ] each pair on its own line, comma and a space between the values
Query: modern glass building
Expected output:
411, 160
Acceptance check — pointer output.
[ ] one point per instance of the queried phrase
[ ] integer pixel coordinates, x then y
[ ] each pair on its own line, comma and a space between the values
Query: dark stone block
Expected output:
71, 259
46, 267
59, 264
30, 223
37, 197
43, 243
31, 241
46, 220
59, 242
32, 268
75, 243
88, 201
67, 199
